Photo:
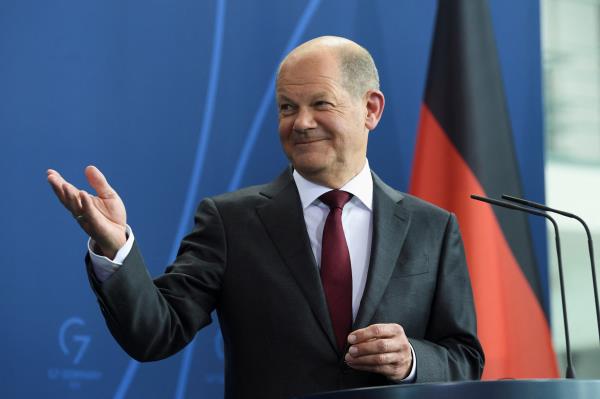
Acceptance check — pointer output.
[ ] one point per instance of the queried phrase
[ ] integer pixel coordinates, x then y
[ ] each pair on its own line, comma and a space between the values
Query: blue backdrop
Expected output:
174, 102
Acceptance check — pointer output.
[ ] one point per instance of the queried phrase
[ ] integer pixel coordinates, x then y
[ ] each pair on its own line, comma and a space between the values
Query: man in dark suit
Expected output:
310, 295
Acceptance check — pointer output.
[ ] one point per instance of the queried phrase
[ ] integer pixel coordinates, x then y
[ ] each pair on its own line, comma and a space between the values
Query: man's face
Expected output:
321, 126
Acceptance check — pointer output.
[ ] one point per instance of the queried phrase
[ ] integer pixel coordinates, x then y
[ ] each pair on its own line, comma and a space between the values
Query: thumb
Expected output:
99, 182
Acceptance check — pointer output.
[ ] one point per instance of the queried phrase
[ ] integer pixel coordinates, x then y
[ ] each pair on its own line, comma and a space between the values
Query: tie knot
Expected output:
335, 198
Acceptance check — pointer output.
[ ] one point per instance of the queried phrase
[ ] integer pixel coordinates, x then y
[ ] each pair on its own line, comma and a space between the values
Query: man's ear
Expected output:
375, 103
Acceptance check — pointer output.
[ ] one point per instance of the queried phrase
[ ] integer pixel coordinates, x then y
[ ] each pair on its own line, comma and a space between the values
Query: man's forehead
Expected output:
309, 86
306, 62
308, 78
308, 73
312, 68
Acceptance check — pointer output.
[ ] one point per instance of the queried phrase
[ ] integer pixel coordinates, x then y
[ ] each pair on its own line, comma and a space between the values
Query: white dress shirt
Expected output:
357, 221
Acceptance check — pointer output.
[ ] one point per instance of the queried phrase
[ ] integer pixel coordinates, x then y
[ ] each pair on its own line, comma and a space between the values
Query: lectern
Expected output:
503, 389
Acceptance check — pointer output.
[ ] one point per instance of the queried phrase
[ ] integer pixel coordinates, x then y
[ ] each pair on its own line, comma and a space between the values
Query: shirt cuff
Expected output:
412, 376
102, 266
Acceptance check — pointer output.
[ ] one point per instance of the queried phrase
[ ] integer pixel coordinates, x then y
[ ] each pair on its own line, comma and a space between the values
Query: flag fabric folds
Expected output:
465, 146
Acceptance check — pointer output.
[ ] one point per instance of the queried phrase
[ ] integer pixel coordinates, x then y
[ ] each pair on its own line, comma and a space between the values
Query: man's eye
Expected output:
322, 104
285, 108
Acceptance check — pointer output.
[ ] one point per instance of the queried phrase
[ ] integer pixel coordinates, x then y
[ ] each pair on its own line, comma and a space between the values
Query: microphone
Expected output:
570, 372
589, 238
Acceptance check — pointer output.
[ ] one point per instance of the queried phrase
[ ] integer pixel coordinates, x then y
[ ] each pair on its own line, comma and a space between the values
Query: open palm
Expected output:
102, 216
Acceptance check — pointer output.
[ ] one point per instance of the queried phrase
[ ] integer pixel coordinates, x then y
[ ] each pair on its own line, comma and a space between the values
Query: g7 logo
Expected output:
82, 341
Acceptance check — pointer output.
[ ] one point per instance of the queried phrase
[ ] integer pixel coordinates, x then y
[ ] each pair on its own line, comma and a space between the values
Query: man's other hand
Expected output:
102, 216
380, 348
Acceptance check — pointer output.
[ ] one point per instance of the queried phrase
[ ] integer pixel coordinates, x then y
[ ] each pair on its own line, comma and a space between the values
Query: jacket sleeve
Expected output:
450, 350
152, 320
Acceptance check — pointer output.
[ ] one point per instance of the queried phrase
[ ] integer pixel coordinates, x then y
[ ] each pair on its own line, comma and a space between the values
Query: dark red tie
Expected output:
336, 274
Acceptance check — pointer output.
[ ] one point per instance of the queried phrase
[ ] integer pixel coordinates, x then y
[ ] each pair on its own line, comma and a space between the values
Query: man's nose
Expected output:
304, 119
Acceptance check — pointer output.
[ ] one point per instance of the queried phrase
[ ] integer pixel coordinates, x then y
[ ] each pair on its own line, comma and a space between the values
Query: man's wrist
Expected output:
119, 255
412, 374
110, 248
103, 266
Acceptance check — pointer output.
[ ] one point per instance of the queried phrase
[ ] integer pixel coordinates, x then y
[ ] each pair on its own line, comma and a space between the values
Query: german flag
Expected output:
465, 146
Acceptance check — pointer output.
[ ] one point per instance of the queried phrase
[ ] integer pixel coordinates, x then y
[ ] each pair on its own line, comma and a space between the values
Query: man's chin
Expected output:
308, 167
308, 170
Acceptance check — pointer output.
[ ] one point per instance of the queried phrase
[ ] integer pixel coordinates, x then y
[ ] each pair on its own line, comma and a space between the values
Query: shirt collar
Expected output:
360, 186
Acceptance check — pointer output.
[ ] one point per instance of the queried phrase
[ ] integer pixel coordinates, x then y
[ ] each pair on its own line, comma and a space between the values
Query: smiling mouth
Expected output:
300, 142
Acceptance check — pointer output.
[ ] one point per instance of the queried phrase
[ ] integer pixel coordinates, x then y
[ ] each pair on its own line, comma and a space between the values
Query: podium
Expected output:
501, 389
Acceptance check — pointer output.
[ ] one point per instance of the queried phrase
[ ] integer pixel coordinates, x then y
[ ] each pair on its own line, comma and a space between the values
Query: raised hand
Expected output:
102, 217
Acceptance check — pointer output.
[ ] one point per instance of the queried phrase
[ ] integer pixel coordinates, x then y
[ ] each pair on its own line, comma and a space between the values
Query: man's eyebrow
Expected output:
282, 97
316, 96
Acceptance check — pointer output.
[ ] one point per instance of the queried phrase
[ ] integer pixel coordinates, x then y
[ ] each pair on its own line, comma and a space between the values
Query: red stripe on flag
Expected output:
511, 324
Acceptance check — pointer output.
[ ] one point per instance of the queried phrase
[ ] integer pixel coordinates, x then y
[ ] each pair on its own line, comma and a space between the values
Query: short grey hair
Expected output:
358, 70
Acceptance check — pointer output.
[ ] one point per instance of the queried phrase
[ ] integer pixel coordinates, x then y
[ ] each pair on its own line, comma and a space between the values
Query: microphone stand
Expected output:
589, 238
570, 372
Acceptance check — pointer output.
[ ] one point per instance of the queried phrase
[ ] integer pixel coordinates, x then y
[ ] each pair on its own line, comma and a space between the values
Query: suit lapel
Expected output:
283, 219
390, 226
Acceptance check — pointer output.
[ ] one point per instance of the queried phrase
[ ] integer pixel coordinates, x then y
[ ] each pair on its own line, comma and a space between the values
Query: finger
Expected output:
52, 174
376, 359
72, 198
383, 345
56, 184
62, 188
394, 366
99, 182
56, 181
375, 331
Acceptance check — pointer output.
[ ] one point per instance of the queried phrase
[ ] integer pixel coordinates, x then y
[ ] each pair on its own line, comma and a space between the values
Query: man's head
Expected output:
329, 99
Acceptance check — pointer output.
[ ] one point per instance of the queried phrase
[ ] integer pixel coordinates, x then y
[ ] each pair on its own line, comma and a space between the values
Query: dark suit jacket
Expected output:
249, 258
